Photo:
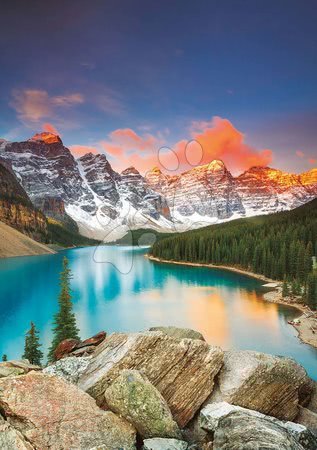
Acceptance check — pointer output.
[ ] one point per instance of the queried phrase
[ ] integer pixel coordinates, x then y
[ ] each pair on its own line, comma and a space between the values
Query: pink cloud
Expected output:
300, 154
80, 150
312, 161
34, 105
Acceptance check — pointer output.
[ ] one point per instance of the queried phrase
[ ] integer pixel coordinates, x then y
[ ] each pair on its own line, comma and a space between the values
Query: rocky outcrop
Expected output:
74, 347
212, 416
16, 208
273, 385
52, 414
133, 397
240, 430
164, 444
183, 371
179, 333
17, 367
70, 369
152, 389
11, 439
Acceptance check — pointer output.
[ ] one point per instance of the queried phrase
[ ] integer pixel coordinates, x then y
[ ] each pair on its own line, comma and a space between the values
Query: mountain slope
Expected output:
16, 208
14, 243
105, 205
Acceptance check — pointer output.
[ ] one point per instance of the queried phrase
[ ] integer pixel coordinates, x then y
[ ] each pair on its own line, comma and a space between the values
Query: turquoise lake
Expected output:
118, 289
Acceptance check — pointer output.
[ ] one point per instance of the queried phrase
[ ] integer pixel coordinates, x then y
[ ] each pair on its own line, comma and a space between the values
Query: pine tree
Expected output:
312, 290
285, 290
4, 357
64, 320
32, 346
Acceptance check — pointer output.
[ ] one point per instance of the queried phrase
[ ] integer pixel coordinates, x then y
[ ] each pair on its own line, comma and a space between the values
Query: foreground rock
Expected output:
269, 384
17, 367
261, 429
164, 444
52, 414
179, 333
74, 347
11, 439
133, 397
70, 369
307, 418
183, 371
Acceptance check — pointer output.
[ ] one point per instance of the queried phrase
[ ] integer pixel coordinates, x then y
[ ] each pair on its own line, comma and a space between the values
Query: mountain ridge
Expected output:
105, 204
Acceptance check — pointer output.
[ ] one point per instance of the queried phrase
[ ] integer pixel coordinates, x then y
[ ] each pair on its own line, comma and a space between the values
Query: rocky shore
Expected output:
162, 389
306, 323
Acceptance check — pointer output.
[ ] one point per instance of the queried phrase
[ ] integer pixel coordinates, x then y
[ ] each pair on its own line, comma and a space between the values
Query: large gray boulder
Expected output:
52, 414
133, 397
239, 431
183, 370
164, 444
213, 416
179, 333
269, 384
69, 369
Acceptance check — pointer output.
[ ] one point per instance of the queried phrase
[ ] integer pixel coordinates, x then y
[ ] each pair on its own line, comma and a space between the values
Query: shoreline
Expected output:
306, 322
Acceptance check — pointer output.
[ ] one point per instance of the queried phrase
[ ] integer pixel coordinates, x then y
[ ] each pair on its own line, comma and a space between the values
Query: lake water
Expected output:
118, 289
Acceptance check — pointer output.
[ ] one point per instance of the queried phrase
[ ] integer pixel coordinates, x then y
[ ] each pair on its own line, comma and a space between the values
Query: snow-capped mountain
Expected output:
105, 204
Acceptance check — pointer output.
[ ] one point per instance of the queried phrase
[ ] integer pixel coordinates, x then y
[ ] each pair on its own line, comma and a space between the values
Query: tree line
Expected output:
279, 246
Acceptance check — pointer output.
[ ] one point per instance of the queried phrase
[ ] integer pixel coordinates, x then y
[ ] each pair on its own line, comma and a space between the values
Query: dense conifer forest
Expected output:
279, 246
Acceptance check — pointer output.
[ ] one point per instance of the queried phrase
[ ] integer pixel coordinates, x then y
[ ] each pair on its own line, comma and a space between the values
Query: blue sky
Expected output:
89, 68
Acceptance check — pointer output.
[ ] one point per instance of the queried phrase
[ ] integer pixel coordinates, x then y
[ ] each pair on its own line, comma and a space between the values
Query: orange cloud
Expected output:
80, 150
214, 139
50, 128
312, 161
219, 139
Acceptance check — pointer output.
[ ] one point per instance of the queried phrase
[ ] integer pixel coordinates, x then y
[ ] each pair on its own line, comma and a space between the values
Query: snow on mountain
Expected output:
105, 204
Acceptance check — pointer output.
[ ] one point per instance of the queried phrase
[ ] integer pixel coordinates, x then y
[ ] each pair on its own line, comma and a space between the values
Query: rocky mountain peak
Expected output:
46, 137
130, 171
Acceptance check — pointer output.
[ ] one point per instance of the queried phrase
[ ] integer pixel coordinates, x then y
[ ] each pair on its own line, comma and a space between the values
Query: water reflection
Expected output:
226, 307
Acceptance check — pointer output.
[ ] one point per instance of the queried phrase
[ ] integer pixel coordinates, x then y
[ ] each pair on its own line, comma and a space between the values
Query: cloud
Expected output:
300, 154
206, 140
312, 161
35, 105
80, 150
50, 128
219, 139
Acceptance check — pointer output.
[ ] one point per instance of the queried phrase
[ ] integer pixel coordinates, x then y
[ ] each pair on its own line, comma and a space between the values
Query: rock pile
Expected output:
164, 389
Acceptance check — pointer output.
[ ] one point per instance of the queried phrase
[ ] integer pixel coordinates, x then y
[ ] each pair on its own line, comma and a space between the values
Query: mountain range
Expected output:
105, 204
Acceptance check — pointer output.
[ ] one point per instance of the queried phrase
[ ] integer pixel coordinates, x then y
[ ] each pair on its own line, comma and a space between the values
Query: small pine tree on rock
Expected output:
32, 346
4, 357
64, 320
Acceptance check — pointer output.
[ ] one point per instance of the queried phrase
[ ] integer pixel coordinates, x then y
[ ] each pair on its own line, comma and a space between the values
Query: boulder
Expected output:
183, 370
94, 340
312, 403
179, 333
68, 368
65, 347
239, 430
307, 418
212, 415
18, 367
273, 385
74, 347
133, 397
11, 439
10, 371
53, 414
164, 444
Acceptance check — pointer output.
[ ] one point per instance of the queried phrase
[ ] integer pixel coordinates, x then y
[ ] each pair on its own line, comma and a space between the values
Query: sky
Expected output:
234, 80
